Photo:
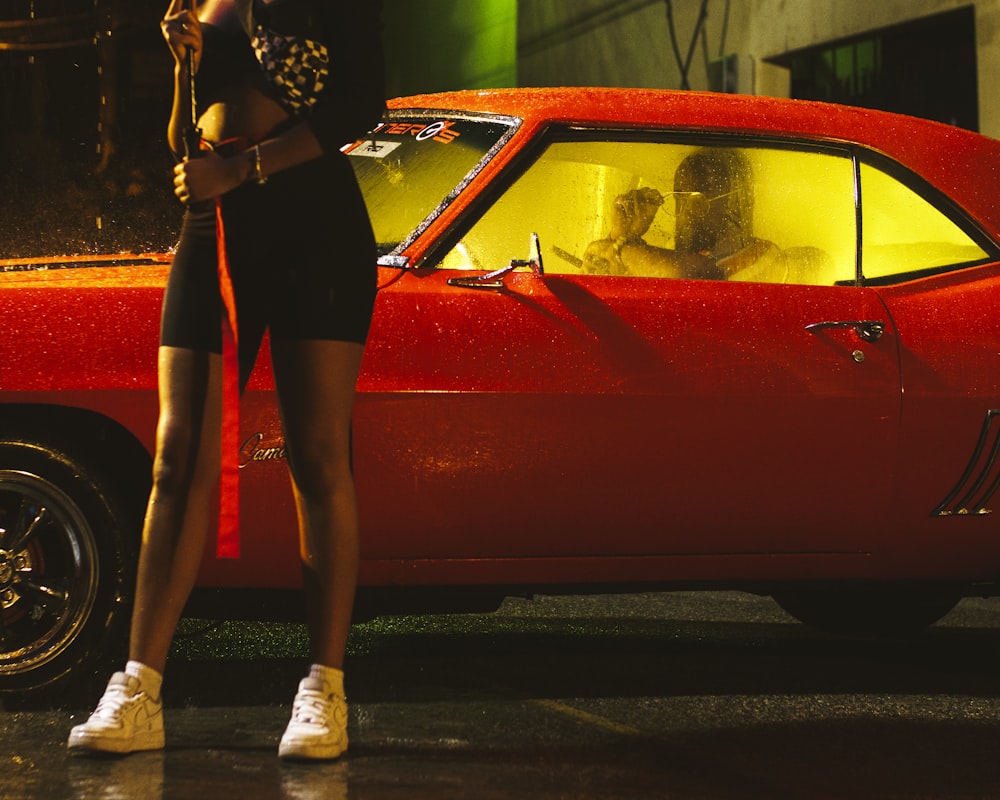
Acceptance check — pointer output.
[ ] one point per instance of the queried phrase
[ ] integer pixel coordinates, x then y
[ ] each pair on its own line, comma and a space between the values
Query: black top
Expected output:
226, 60
339, 108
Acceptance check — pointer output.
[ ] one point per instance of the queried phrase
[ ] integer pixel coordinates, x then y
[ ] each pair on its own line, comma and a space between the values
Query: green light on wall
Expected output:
439, 45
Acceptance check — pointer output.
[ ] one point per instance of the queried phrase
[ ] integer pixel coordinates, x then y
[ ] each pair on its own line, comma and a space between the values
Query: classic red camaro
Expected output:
624, 339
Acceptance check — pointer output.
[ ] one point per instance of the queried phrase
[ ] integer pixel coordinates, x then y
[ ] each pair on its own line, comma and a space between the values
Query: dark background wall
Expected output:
85, 92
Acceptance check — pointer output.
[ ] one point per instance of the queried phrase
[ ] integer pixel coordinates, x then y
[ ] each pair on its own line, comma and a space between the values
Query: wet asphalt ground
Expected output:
679, 695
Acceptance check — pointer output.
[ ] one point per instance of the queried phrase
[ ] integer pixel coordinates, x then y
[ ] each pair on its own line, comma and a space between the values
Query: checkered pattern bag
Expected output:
297, 67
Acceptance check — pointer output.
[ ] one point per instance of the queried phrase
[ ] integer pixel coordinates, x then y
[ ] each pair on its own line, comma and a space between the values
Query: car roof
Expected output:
963, 164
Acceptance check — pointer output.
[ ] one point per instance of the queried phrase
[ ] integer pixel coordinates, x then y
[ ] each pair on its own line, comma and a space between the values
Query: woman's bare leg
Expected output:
316, 382
185, 473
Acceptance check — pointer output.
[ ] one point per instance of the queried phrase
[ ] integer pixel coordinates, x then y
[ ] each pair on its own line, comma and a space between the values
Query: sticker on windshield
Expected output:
442, 131
371, 148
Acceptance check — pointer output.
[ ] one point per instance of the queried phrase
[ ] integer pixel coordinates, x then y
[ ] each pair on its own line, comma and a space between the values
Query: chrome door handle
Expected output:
869, 330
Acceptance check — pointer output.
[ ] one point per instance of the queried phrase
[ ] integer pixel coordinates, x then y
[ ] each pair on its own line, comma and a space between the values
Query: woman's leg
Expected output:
315, 382
185, 473
129, 716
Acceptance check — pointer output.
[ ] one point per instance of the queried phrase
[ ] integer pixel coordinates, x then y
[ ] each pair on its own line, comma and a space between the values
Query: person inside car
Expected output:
713, 237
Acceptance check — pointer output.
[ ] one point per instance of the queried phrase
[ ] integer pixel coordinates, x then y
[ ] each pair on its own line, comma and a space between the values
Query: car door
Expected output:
586, 413
941, 280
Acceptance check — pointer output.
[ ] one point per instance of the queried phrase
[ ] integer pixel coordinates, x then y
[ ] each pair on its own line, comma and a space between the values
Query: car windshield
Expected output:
413, 165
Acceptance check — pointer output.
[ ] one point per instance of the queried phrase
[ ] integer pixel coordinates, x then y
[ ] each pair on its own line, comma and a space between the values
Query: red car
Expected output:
624, 339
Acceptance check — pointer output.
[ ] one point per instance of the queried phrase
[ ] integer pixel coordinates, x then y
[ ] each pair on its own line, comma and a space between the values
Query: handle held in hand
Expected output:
192, 133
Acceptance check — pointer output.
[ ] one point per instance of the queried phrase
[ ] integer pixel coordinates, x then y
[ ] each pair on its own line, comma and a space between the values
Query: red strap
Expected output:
228, 543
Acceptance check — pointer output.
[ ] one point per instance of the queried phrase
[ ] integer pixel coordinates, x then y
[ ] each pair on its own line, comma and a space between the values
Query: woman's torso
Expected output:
232, 92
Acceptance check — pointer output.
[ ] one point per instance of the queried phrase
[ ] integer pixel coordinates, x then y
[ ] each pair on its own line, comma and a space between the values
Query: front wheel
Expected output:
878, 610
67, 561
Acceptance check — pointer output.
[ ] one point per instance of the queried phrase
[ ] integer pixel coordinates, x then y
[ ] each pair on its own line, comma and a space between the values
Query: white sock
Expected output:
333, 677
149, 679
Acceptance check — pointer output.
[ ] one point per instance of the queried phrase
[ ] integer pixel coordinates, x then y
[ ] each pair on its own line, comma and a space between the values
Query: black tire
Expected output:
67, 567
879, 610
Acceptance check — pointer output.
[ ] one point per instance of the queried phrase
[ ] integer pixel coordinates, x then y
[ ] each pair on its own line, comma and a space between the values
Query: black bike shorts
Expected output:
301, 255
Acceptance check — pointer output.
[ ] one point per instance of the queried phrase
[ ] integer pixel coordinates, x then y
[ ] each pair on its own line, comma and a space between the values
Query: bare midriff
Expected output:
246, 112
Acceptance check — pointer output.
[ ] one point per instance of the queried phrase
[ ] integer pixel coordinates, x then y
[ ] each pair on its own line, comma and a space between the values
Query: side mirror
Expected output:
494, 279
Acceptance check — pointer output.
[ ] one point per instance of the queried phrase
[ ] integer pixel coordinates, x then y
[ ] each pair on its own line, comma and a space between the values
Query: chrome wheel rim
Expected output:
48, 571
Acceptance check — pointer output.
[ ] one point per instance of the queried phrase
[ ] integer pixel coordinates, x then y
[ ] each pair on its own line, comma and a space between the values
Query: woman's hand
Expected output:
182, 31
210, 175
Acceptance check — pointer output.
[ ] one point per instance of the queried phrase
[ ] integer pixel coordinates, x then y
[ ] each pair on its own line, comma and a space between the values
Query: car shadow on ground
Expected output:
474, 657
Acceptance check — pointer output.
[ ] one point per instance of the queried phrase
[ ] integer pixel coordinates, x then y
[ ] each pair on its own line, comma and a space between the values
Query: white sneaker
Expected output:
126, 720
318, 727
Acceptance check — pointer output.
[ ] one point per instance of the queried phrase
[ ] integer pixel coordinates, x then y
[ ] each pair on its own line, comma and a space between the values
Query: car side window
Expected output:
674, 210
903, 233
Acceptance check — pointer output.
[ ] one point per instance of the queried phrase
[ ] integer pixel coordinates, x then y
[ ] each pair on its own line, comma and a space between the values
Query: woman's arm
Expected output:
293, 147
212, 175
182, 32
